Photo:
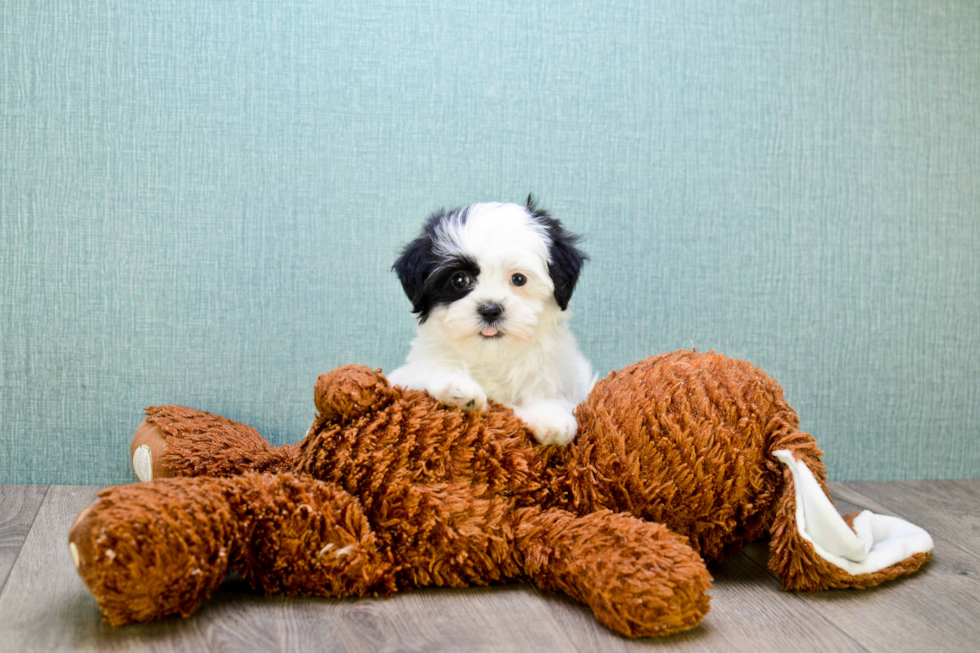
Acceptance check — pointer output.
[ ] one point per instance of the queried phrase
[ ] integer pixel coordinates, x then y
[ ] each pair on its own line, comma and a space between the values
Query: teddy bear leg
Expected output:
638, 577
148, 551
178, 441
813, 547
311, 537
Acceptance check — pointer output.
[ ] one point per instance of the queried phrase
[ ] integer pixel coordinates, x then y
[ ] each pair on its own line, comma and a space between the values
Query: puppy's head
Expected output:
489, 272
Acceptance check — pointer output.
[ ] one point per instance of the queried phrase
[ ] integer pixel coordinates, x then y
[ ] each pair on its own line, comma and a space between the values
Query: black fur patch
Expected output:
565, 259
426, 275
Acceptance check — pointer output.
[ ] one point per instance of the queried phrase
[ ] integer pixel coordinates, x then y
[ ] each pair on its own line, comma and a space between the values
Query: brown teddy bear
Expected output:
679, 459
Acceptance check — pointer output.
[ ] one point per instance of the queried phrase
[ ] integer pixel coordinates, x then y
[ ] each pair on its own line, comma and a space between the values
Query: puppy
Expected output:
490, 286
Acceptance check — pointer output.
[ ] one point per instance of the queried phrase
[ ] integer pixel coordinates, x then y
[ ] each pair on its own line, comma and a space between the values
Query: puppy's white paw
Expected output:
550, 422
462, 392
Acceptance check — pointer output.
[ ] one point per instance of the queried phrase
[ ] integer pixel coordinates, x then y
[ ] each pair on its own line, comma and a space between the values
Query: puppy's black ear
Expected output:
565, 259
565, 265
414, 266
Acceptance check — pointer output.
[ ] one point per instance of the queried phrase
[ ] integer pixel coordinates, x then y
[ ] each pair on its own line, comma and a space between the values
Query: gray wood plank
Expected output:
935, 609
506, 618
948, 509
18, 507
33, 617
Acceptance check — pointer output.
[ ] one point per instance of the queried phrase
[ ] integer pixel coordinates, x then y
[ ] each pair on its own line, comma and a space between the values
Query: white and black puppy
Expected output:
490, 285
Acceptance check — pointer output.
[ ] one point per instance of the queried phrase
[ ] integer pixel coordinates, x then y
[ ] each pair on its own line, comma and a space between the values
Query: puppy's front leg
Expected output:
550, 420
449, 386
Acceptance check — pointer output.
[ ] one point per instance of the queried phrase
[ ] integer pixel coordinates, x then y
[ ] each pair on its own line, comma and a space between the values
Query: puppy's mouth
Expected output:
491, 333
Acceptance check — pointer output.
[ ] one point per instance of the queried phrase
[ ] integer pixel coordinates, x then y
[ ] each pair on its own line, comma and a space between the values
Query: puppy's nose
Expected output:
490, 311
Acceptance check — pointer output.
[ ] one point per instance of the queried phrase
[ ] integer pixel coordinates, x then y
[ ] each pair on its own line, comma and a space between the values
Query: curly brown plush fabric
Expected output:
158, 549
390, 490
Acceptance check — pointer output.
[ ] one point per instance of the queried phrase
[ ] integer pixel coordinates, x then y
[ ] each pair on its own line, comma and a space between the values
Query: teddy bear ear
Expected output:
351, 391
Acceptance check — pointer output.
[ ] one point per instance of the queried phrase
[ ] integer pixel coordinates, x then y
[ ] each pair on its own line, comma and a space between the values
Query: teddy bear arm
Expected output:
178, 441
638, 578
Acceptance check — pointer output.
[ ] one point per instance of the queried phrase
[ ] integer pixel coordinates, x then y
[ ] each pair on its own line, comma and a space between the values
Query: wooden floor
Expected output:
45, 607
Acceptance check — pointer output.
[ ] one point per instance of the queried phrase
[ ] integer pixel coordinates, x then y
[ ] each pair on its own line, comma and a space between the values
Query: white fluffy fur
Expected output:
535, 366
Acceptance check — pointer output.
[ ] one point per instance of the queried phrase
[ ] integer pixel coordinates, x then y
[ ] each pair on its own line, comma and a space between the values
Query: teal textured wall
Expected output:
200, 202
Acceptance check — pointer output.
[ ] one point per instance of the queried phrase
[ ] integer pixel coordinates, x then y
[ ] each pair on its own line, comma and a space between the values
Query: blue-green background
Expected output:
201, 201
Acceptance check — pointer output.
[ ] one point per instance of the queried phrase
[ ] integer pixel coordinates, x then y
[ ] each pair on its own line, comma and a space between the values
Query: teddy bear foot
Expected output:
146, 452
638, 578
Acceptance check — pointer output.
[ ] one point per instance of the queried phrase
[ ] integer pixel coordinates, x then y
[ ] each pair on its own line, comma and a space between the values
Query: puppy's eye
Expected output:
518, 279
460, 280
